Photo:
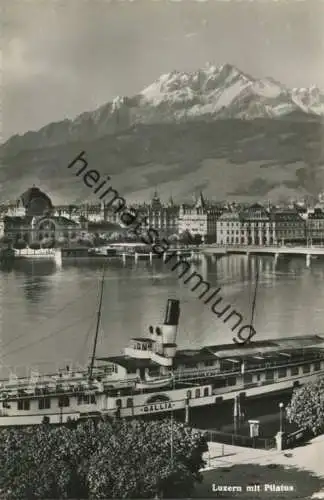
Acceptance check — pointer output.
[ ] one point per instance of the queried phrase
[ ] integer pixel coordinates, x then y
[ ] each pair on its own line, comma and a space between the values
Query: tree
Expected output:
306, 408
197, 239
20, 244
186, 238
121, 459
141, 452
84, 242
5, 241
35, 245
61, 241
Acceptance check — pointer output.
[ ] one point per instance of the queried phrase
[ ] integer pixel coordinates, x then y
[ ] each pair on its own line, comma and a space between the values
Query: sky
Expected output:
61, 58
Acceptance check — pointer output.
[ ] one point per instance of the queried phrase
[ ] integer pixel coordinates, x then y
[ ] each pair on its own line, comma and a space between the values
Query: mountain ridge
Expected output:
179, 135
211, 93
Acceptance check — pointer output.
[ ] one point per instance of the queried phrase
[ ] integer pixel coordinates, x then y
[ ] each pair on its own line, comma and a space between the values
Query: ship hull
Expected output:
165, 402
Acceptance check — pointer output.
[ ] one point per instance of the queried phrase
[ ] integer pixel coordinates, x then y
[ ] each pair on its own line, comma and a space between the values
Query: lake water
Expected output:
48, 314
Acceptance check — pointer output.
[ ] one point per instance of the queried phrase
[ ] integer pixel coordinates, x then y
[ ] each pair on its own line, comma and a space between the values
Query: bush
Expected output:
122, 459
35, 245
20, 244
84, 243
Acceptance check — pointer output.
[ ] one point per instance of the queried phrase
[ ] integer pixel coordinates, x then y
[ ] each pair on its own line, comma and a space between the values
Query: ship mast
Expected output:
237, 410
255, 291
97, 325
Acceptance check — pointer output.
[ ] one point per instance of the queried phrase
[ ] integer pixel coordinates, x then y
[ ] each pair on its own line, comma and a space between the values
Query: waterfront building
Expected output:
290, 227
257, 228
248, 226
199, 218
94, 212
315, 227
72, 212
37, 222
163, 218
229, 229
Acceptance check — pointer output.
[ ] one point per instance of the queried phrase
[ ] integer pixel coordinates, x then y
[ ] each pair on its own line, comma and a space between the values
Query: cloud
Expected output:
19, 66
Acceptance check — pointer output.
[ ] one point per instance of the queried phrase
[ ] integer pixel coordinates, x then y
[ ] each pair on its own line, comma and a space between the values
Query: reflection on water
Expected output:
47, 314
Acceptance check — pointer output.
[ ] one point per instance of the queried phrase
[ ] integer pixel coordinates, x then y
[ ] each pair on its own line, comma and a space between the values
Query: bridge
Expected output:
308, 251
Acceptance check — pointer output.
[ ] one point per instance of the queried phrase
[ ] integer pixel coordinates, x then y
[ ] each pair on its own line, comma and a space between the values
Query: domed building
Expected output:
36, 221
35, 202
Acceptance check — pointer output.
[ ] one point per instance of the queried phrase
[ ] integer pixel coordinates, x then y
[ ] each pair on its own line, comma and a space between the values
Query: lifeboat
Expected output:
154, 383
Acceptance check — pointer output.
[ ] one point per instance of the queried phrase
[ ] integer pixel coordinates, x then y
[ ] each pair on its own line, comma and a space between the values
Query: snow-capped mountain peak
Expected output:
225, 91
210, 93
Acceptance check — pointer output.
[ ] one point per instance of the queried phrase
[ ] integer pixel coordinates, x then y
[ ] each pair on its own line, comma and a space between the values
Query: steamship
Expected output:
154, 377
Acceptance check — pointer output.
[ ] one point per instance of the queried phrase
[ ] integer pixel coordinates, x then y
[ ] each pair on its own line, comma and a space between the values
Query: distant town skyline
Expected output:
61, 59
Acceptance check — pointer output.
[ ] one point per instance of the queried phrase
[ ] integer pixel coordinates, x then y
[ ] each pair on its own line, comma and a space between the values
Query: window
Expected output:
189, 394
269, 375
23, 404
85, 399
63, 401
282, 372
306, 368
317, 366
209, 362
44, 403
294, 370
206, 391
118, 403
197, 393
129, 402
247, 378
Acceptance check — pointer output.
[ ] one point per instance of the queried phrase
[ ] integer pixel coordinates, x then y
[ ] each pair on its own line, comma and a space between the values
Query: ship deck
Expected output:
262, 353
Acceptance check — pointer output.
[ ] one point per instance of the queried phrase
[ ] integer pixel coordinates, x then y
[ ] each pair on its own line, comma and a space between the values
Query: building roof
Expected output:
230, 215
63, 221
15, 220
286, 216
255, 212
200, 201
34, 193
317, 214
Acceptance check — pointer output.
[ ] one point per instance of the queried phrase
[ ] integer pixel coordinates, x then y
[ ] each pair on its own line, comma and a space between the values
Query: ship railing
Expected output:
51, 389
212, 371
60, 385
119, 384
21, 381
152, 378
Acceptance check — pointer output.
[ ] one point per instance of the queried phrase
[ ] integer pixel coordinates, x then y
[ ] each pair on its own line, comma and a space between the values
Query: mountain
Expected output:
216, 128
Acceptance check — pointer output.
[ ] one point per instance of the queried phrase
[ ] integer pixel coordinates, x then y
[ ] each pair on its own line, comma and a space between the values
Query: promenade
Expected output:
276, 251
303, 467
